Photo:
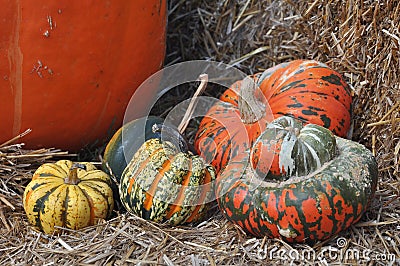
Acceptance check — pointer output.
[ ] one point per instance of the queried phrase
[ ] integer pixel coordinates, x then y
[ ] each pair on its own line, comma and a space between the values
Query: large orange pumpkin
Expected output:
69, 68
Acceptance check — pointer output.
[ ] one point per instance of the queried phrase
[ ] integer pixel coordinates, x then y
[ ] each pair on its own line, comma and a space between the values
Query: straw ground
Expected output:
360, 39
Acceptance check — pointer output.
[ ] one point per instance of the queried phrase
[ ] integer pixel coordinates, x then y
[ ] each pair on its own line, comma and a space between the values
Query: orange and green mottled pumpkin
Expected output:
304, 89
67, 195
306, 208
165, 184
126, 141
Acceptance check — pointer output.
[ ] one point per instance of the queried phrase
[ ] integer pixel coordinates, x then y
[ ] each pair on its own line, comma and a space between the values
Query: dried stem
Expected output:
186, 118
72, 178
251, 109
26, 132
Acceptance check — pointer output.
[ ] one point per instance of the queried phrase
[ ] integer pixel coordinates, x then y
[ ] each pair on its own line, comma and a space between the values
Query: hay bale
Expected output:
360, 39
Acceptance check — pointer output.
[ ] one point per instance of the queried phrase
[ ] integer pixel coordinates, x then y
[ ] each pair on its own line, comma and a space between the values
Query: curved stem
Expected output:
186, 118
251, 109
72, 178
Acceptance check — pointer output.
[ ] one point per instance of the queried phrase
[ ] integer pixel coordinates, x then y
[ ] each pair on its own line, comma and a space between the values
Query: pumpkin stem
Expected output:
192, 104
293, 130
72, 178
251, 108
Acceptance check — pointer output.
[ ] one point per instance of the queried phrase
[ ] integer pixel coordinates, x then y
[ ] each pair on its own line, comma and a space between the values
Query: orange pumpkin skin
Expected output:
68, 69
304, 89
223, 135
310, 91
308, 208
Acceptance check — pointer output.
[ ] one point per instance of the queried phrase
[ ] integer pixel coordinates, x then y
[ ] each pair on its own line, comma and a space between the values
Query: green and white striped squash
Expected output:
287, 147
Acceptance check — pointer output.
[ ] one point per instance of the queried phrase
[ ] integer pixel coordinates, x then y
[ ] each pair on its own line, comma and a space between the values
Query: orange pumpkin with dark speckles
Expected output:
304, 89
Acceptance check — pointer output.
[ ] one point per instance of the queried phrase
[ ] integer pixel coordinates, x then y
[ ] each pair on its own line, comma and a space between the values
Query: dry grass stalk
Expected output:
358, 38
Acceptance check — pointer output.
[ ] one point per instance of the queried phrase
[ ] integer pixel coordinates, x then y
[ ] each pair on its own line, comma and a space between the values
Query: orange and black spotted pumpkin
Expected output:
305, 89
164, 184
306, 208
287, 148
232, 125
310, 91
67, 195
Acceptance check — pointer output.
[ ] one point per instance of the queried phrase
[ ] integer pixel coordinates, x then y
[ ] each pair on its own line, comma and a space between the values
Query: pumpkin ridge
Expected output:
294, 232
91, 205
148, 202
214, 134
291, 85
63, 165
65, 210
203, 195
74, 219
335, 228
39, 205
140, 169
94, 180
226, 153
100, 175
59, 203
336, 80
314, 155
323, 189
58, 169
303, 220
288, 84
278, 97
54, 181
176, 206
105, 197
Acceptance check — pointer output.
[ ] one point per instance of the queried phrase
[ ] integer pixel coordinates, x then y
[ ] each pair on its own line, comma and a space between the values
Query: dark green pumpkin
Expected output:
126, 141
287, 148
307, 208
162, 183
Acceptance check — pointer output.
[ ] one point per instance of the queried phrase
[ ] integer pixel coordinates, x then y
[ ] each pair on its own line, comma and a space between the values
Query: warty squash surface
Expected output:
307, 208
163, 184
